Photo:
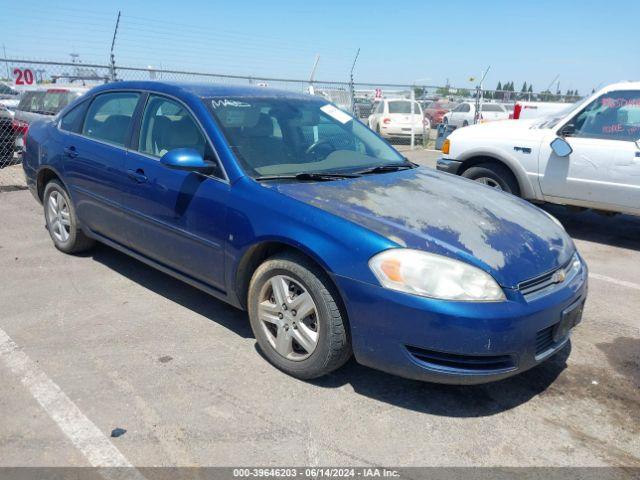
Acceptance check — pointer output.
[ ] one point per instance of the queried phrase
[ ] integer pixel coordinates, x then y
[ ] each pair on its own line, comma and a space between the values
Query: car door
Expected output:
603, 170
93, 143
175, 217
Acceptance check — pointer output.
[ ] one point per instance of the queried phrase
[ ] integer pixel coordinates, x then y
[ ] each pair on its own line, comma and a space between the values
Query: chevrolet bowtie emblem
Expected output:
559, 276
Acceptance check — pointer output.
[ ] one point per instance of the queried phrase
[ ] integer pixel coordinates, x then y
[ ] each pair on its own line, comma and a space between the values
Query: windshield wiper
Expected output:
308, 176
388, 168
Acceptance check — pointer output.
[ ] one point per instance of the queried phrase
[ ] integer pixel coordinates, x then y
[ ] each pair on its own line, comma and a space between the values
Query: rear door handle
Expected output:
71, 152
137, 175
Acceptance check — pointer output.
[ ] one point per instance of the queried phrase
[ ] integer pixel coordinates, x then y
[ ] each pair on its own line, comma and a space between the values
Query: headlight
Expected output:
435, 276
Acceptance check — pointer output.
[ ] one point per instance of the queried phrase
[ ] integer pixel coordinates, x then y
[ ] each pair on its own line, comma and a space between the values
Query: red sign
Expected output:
23, 76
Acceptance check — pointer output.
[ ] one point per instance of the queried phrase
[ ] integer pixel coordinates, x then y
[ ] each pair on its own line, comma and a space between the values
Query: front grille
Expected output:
544, 340
462, 362
545, 283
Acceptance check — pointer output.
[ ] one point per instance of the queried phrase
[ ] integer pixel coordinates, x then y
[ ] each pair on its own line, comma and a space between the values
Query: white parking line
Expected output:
615, 281
82, 432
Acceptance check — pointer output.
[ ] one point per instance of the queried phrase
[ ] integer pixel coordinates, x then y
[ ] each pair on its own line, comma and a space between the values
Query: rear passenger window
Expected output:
31, 102
109, 117
72, 120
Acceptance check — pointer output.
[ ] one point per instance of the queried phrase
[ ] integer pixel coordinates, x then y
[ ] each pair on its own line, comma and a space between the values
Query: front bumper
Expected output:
448, 165
455, 342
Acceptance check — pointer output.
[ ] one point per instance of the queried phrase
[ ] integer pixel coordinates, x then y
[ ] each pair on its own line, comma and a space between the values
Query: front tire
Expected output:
296, 317
493, 175
61, 220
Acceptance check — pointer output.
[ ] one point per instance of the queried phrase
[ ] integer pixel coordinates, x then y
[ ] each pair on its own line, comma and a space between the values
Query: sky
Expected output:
585, 43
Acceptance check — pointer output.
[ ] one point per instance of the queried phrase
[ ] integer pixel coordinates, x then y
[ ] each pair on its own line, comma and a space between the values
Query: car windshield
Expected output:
492, 107
289, 136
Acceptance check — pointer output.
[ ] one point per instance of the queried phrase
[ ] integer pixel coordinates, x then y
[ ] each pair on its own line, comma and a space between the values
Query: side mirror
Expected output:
561, 147
185, 159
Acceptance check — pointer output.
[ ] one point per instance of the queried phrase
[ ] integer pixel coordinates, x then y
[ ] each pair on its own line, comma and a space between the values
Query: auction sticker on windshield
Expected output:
336, 113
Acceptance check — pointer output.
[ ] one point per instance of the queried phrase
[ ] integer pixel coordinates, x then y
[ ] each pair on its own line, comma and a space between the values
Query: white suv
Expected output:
587, 155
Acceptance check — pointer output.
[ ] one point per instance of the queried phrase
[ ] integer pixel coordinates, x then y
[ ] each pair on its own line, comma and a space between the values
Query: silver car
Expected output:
42, 103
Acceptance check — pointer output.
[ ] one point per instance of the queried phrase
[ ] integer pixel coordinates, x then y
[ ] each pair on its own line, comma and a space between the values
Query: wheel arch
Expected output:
257, 253
524, 184
44, 176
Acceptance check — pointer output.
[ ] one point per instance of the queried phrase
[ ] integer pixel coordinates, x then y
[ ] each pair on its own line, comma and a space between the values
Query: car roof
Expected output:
203, 89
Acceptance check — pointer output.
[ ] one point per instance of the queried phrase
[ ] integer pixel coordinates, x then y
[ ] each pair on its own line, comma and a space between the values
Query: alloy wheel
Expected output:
59, 218
289, 317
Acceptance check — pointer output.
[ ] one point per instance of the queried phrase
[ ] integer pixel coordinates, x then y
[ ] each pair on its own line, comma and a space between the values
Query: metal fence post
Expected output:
413, 106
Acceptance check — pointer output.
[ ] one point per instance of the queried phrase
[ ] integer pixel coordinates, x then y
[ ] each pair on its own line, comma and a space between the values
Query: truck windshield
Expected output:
288, 136
551, 120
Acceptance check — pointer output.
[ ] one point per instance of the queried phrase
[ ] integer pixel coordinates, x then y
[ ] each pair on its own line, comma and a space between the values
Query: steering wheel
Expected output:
317, 143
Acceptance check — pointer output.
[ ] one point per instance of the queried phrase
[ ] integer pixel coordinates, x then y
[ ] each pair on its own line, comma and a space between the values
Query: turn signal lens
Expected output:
446, 145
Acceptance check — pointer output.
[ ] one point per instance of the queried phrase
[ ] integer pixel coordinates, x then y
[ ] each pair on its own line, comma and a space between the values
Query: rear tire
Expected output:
494, 175
465, 124
61, 220
305, 344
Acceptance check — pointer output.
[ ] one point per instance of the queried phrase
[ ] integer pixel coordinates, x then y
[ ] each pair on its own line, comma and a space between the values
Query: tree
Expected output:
498, 95
524, 87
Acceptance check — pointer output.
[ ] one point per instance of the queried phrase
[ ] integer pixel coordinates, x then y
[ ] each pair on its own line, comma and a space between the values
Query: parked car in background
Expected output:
9, 97
464, 114
8, 92
7, 136
283, 205
525, 110
42, 103
587, 155
435, 111
363, 106
392, 118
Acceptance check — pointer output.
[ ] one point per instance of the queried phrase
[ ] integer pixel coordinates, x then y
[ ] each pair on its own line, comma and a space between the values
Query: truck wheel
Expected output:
493, 175
296, 318
62, 223
465, 124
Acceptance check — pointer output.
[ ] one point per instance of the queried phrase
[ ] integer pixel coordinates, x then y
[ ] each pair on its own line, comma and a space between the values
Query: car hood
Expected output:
448, 215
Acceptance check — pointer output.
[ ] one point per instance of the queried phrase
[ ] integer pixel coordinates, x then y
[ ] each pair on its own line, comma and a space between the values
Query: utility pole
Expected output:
113, 44
476, 116
6, 62
351, 85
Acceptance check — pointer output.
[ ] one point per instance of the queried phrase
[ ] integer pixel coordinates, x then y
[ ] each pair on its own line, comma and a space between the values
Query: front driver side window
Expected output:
167, 125
613, 116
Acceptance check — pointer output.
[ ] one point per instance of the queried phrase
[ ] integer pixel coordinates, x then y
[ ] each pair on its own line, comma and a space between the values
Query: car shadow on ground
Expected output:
435, 399
615, 230
449, 400
175, 290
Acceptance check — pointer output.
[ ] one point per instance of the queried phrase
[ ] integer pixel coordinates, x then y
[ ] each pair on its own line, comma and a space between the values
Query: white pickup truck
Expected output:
526, 110
587, 155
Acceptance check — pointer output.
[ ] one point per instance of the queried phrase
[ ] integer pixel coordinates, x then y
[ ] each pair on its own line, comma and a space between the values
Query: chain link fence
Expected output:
40, 89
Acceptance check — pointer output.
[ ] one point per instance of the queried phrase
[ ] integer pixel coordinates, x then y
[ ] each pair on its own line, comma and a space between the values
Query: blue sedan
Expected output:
335, 244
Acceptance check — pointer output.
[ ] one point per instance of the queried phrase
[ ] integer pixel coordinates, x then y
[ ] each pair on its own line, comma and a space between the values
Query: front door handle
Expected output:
137, 175
71, 152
